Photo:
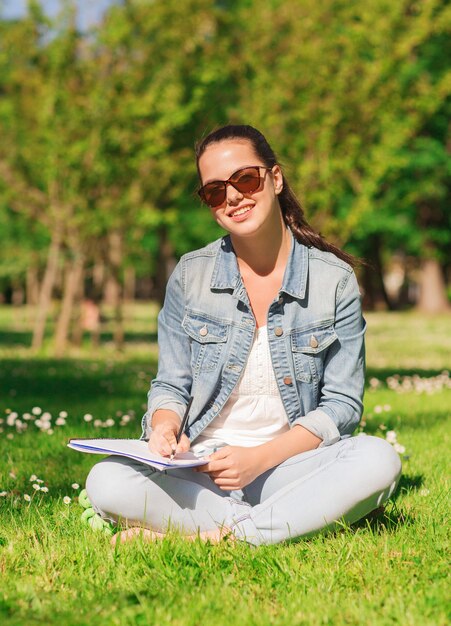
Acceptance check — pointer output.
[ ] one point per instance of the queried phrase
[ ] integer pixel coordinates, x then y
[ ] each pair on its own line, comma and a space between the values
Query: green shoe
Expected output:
83, 499
90, 517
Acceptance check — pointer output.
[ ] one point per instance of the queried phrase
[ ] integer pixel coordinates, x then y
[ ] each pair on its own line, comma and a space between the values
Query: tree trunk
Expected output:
129, 284
48, 282
77, 327
32, 285
165, 264
71, 286
376, 297
432, 297
115, 261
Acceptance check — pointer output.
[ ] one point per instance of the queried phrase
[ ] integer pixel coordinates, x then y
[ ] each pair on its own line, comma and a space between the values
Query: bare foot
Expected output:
213, 536
136, 531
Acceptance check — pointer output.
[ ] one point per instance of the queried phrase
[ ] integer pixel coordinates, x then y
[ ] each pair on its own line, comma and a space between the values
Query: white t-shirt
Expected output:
254, 413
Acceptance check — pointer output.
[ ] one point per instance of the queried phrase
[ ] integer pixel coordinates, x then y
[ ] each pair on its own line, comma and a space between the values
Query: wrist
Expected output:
164, 417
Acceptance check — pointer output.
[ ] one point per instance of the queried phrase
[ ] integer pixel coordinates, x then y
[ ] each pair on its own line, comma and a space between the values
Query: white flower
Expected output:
63, 414
424, 492
10, 436
50, 431
3, 494
87, 417
46, 416
387, 407
27, 497
36, 487
66, 500
36, 410
390, 436
27, 416
39, 480
75, 486
378, 409
109, 422
60, 421
44, 489
11, 419
98, 423
399, 448
33, 478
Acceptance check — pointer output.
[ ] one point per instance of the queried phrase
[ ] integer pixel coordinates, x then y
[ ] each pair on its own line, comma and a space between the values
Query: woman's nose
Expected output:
232, 194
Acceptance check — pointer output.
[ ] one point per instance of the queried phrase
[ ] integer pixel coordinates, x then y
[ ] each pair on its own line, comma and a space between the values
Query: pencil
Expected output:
182, 425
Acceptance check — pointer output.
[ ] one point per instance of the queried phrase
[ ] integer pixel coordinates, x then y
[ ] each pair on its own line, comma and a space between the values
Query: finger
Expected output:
184, 444
165, 449
222, 453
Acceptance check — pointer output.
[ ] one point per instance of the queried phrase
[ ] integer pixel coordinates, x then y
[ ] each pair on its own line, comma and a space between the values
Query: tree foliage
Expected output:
98, 127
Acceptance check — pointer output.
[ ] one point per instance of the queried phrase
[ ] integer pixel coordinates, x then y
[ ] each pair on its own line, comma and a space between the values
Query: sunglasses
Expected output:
244, 180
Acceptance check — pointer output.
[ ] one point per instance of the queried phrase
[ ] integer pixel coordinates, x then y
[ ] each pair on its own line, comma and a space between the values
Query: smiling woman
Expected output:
263, 328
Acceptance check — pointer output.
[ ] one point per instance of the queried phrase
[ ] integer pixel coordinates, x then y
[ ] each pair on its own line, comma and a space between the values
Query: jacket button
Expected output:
203, 332
288, 380
313, 342
278, 331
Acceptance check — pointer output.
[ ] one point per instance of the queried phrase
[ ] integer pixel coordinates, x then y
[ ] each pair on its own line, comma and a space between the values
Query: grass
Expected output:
390, 569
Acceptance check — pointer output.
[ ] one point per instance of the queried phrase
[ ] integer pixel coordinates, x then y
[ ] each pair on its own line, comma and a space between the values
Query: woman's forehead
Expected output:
220, 160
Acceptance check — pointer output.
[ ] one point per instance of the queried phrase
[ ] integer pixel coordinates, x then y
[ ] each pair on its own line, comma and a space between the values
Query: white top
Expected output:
254, 413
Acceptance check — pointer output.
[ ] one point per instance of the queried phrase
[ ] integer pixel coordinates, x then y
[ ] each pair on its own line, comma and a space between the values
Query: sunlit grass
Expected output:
391, 569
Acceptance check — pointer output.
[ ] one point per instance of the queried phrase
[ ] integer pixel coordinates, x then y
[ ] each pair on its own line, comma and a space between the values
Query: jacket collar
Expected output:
226, 274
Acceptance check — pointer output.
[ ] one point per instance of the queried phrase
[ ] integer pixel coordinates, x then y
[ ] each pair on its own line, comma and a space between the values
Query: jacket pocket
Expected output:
309, 349
208, 338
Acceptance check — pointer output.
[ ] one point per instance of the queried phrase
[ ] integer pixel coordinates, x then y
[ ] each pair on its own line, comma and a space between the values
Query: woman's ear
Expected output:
278, 179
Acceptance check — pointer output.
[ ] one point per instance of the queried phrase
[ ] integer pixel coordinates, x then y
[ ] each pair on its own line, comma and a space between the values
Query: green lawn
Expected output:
391, 569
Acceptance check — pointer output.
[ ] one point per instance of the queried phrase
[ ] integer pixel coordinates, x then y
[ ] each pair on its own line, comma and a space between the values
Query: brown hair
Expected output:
292, 211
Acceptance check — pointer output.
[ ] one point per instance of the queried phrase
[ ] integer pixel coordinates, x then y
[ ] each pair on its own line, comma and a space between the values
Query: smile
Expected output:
241, 211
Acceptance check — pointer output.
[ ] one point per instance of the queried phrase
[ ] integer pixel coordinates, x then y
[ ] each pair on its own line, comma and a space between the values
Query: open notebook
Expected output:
135, 449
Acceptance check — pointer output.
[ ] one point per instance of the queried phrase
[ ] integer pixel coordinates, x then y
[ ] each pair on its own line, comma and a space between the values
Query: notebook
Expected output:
137, 450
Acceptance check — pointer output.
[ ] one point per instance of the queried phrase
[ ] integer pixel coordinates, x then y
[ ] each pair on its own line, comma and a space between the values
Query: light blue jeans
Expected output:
306, 493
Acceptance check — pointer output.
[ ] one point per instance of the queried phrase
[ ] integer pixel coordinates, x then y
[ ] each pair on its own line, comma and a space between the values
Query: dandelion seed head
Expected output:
390, 436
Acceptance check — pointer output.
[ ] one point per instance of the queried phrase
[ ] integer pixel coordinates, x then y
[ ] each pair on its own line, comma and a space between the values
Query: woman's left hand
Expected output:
234, 467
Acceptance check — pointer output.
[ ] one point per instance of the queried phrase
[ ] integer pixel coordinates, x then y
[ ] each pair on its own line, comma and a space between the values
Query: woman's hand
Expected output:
162, 440
234, 467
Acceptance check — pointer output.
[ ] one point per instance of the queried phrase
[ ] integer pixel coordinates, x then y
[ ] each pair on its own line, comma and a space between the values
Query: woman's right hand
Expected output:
163, 440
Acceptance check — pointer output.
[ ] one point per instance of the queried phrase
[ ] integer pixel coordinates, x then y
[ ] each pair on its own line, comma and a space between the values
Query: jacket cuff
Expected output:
161, 403
321, 425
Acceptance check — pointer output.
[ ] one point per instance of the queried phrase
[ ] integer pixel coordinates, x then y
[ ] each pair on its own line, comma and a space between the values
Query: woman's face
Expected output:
241, 214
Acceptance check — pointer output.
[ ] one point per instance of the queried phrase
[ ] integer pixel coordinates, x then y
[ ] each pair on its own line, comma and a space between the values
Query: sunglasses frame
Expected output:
230, 181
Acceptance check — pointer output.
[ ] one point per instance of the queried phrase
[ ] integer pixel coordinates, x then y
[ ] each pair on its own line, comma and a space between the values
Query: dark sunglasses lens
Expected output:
248, 180
213, 195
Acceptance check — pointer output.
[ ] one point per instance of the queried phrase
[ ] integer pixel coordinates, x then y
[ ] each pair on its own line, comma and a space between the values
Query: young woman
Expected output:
264, 329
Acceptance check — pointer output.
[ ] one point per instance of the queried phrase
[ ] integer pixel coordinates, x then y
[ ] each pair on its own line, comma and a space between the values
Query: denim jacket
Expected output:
315, 332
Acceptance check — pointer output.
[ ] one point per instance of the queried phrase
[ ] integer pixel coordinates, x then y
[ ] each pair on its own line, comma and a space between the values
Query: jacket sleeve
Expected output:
172, 386
341, 388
